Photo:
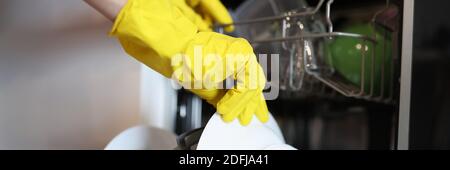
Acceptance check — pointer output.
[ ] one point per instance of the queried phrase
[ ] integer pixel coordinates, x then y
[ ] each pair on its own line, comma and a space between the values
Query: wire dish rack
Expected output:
303, 36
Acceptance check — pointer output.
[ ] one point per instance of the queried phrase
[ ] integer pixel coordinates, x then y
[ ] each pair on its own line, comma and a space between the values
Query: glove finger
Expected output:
193, 16
234, 102
208, 20
246, 117
218, 12
203, 25
262, 112
229, 117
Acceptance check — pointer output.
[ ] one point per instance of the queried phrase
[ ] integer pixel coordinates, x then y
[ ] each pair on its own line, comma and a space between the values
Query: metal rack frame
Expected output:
334, 82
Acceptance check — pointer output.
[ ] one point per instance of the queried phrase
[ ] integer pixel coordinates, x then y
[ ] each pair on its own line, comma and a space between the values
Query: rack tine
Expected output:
344, 89
363, 70
328, 16
291, 72
285, 26
383, 58
383, 67
372, 70
394, 53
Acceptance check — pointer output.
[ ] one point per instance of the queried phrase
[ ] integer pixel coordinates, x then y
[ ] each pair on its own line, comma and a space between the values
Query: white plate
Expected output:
219, 135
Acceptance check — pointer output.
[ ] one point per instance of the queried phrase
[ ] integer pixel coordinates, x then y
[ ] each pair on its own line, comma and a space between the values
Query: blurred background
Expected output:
64, 84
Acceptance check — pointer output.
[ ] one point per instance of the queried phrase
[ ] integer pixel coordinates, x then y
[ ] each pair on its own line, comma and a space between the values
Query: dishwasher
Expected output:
342, 74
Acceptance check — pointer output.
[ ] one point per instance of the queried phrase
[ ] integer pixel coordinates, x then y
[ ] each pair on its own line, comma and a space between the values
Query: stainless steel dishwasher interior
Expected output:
318, 108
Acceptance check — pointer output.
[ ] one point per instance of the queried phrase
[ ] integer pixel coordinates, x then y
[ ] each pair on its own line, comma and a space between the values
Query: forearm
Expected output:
109, 8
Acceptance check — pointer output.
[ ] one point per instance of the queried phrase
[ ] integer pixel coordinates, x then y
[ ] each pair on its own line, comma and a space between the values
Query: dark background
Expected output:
430, 102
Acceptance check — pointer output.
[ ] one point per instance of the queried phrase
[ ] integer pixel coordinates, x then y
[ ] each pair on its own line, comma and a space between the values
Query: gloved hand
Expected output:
155, 32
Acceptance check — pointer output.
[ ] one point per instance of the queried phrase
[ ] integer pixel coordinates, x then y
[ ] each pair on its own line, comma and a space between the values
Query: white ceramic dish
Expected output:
219, 135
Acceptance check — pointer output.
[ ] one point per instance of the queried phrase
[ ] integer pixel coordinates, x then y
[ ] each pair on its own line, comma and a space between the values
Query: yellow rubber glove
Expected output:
212, 11
156, 32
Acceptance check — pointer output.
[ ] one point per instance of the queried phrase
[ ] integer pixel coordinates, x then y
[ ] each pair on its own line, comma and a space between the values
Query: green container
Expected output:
345, 55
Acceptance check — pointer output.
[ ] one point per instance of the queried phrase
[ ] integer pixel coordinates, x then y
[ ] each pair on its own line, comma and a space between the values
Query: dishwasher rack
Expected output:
311, 70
